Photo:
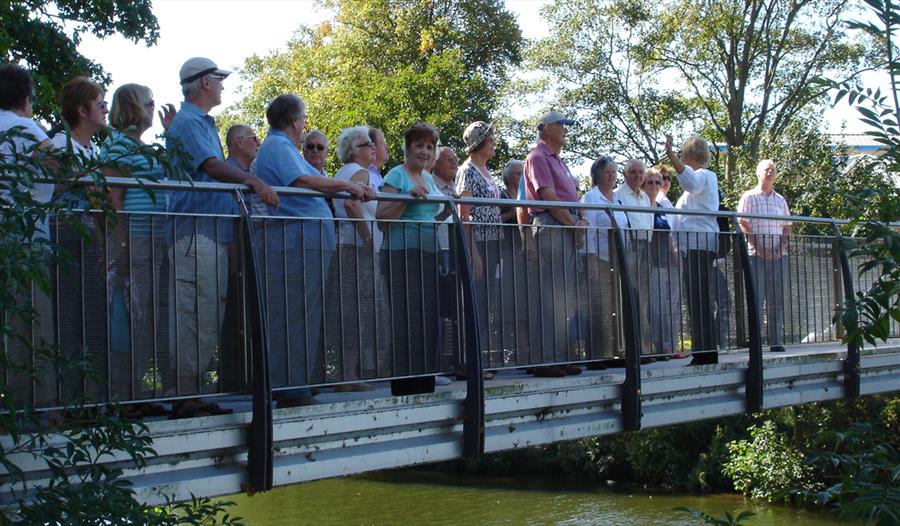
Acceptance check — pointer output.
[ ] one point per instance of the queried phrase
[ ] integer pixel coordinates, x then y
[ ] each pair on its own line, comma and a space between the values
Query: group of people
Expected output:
358, 288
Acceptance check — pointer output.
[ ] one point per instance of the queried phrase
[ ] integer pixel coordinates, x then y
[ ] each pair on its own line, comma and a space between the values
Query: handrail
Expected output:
128, 182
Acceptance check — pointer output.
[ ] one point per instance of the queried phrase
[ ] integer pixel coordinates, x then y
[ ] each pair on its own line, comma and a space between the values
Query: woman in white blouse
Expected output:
356, 320
602, 283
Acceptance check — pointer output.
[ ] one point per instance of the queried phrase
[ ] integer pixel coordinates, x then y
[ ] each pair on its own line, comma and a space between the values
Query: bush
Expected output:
766, 465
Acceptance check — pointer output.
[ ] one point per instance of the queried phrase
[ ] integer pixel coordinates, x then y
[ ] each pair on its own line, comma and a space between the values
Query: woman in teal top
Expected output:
139, 252
409, 263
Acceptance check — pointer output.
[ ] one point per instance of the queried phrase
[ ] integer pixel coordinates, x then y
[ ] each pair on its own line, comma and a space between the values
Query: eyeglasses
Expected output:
254, 137
369, 144
657, 183
666, 178
220, 78
310, 146
150, 104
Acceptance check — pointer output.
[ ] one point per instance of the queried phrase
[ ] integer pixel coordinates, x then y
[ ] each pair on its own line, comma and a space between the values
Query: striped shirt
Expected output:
755, 201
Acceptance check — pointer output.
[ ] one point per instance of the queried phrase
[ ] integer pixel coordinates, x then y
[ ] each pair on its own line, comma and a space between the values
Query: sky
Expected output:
229, 31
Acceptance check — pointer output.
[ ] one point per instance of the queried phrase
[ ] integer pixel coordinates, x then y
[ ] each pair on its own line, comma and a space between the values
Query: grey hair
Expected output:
508, 169
192, 88
315, 132
598, 167
346, 139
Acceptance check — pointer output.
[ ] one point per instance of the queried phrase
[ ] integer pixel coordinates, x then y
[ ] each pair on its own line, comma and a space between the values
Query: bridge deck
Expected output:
357, 432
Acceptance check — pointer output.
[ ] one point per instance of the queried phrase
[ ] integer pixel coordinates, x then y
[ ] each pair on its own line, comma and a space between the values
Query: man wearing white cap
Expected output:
200, 248
547, 178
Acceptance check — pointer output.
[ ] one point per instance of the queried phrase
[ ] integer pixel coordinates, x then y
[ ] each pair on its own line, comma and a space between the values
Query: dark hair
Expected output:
15, 86
598, 167
420, 131
78, 93
284, 109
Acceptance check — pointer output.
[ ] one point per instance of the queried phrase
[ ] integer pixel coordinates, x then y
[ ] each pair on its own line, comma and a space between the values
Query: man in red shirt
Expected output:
547, 178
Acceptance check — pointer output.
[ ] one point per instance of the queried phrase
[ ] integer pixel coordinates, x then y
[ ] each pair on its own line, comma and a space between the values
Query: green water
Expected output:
429, 498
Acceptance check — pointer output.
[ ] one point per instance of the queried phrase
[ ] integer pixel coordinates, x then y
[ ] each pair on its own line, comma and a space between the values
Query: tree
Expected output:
737, 71
752, 66
390, 63
869, 314
591, 69
44, 35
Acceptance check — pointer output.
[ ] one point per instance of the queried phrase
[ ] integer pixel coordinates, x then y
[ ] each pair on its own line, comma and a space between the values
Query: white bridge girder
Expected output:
359, 432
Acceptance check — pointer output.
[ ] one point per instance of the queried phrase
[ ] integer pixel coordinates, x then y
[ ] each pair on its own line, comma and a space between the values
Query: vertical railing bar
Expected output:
851, 363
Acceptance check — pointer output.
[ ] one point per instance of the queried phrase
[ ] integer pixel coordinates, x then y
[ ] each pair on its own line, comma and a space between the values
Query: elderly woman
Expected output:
514, 284
357, 319
483, 229
138, 250
299, 247
664, 283
602, 283
409, 262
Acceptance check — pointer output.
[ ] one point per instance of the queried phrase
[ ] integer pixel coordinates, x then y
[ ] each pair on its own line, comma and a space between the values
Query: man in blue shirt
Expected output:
298, 252
200, 247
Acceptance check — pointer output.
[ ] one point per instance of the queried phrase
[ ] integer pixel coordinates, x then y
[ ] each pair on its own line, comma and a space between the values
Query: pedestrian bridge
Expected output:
129, 326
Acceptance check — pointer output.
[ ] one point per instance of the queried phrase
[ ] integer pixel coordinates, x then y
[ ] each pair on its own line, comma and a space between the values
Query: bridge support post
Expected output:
473, 410
851, 363
259, 454
754, 379
631, 387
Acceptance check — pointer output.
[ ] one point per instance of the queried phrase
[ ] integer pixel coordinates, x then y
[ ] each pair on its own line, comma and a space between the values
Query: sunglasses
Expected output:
150, 104
319, 147
666, 178
657, 183
369, 144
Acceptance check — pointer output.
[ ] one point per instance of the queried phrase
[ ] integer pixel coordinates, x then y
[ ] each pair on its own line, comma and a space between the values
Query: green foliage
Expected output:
739, 71
869, 314
389, 64
767, 464
727, 520
862, 471
44, 34
591, 65
76, 443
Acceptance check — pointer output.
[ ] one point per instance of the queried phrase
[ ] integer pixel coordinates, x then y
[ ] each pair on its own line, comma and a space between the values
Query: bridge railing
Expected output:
158, 305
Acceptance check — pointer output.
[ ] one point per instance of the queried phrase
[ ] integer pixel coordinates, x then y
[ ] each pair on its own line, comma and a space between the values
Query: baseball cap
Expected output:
197, 67
554, 117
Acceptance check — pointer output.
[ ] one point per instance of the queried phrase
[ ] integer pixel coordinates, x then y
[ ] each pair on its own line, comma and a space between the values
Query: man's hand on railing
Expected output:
580, 233
360, 192
264, 191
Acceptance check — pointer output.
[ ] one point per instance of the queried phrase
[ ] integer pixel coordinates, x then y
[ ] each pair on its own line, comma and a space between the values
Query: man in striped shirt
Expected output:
767, 241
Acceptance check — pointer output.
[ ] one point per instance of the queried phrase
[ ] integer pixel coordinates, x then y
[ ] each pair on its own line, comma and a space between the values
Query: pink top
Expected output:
755, 201
544, 169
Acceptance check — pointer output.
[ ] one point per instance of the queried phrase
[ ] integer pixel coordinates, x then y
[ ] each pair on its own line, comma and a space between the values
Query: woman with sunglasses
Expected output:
355, 322
664, 283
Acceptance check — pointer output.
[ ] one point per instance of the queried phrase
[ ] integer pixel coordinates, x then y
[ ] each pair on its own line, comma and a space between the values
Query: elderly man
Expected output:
315, 150
445, 167
767, 243
547, 178
242, 144
200, 244
640, 231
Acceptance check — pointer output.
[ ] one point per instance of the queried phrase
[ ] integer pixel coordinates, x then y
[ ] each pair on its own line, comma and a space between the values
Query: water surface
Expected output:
430, 498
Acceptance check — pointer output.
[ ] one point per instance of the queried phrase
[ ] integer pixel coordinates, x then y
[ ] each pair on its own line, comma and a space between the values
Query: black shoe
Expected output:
776, 348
